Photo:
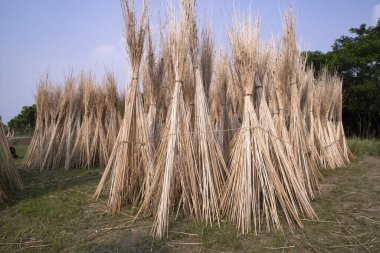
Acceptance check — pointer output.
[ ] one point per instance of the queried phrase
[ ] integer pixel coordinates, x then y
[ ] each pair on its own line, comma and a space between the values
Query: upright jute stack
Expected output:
153, 71
76, 126
239, 135
9, 176
129, 167
218, 100
176, 182
255, 190
209, 156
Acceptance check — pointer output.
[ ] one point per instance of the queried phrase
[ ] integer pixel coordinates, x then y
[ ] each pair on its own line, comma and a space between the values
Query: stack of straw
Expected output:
241, 138
9, 176
76, 126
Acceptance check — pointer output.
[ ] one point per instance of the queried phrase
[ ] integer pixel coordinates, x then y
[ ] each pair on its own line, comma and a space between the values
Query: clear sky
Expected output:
58, 36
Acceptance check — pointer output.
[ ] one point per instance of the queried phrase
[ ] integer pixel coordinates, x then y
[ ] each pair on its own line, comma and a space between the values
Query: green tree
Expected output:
25, 121
357, 59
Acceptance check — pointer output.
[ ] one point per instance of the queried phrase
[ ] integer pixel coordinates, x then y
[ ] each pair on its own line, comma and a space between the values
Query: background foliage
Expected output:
25, 121
357, 59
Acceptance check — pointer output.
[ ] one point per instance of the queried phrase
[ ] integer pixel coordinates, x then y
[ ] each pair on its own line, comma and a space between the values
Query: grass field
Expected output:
56, 213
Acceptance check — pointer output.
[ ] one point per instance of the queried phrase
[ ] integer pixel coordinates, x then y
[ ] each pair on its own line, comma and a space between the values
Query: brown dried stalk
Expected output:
254, 189
130, 165
8, 171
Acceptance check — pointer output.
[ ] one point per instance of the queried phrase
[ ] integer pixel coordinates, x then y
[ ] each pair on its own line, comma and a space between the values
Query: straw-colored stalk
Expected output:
254, 189
65, 139
304, 151
207, 58
280, 109
98, 146
167, 86
130, 166
330, 127
56, 105
330, 149
209, 155
218, 100
234, 107
81, 152
176, 182
113, 112
32, 154
347, 154
308, 107
153, 73
8, 171
275, 146
302, 147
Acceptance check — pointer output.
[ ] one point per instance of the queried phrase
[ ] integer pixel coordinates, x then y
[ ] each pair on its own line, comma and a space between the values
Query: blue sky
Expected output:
58, 36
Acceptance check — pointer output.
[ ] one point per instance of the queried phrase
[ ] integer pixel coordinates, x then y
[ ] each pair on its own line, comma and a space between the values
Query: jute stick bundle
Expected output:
8, 172
176, 183
129, 168
254, 191
209, 155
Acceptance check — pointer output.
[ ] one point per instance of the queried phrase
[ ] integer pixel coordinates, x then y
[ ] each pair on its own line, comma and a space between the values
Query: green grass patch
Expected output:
361, 146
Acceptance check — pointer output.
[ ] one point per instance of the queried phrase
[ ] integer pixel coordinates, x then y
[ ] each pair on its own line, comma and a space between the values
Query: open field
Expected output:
56, 212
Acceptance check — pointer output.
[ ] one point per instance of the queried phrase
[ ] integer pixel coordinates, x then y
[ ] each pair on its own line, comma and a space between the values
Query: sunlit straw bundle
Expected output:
153, 73
325, 111
254, 191
33, 154
176, 183
114, 111
209, 155
276, 146
263, 106
62, 155
304, 151
130, 165
9, 175
338, 103
76, 125
218, 100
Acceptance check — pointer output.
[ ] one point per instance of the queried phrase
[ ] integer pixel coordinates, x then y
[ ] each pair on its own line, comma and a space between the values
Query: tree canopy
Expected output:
357, 59
25, 121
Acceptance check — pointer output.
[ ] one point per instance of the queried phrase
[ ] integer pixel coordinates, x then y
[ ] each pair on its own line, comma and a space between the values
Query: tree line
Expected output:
357, 59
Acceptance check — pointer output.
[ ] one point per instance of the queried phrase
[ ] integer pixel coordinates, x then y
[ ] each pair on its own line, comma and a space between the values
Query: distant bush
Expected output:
24, 122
